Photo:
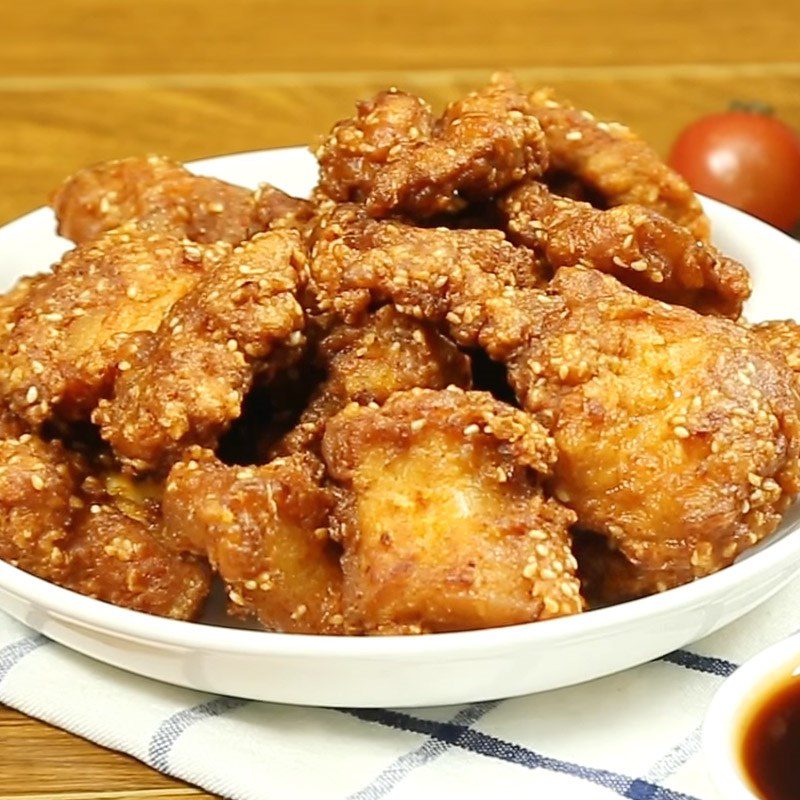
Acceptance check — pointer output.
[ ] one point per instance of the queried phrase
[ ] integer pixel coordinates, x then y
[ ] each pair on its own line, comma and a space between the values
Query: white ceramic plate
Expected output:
217, 656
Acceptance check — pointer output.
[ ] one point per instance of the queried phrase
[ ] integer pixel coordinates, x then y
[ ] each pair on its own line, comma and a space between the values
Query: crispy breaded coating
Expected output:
608, 577
366, 363
358, 148
61, 350
783, 338
162, 194
50, 527
636, 245
443, 521
356, 260
13, 297
678, 435
157, 191
615, 163
265, 529
276, 210
37, 486
482, 144
184, 383
123, 561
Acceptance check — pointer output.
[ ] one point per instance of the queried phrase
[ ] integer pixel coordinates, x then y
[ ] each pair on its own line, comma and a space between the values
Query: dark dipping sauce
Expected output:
771, 743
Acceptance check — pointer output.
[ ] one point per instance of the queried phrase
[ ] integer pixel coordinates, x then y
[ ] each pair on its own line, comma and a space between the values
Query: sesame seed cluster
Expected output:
492, 372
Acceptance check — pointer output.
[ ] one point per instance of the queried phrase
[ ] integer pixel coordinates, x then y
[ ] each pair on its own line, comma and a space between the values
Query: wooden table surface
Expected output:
87, 80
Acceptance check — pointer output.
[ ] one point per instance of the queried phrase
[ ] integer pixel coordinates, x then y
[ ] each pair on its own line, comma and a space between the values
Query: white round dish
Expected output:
219, 656
731, 710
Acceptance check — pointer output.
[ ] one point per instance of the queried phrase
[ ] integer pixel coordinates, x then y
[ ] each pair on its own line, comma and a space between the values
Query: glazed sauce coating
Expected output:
771, 744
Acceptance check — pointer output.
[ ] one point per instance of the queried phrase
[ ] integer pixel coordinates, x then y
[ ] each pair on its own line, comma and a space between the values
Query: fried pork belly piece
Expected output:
424, 271
275, 210
124, 561
614, 163
641, 248
51, 528
781, 337
366, 363
61, 348
396, 160
358, 149
37, 485
443, 521
162, 194
678, 435
184, 383
265, 530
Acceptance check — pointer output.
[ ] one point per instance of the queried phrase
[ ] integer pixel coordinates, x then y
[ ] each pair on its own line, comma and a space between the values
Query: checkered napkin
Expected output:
634, 735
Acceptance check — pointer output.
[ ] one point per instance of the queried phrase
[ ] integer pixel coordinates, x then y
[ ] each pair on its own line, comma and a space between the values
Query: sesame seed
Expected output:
562, 495
37, 482
681, 432
236, 597
299, 611
551, 605
32, 395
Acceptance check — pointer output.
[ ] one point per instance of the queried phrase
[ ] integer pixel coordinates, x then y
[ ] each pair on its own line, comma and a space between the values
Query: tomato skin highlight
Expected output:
748, 160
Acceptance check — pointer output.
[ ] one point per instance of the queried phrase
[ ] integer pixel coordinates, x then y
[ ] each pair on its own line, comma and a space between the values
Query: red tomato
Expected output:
746, 159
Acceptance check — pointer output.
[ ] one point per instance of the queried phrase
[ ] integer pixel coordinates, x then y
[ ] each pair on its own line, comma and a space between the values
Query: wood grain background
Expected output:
86, 80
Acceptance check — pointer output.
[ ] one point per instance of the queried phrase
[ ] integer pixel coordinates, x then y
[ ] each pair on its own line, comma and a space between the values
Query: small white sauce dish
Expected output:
732, 709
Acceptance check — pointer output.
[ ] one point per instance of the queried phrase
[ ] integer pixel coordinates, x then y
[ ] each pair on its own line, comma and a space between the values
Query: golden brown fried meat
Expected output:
162, 194
636, 245
124, 561
443, 521
185, 383
155, 190
781, 337
482, 144
358, 148
366, 363
678, 435
60, 351
37, 497
275, 210
53, 529
13, 297
614, 163
265, 529
356, 261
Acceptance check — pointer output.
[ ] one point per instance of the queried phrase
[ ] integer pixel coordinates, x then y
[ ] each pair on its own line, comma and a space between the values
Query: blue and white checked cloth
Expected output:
633, 735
